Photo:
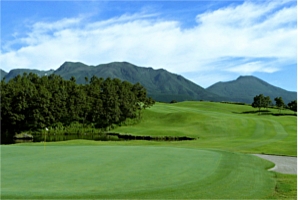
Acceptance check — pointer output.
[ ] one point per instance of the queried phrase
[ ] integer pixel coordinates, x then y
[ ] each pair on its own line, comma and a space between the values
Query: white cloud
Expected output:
266, 30
249, 68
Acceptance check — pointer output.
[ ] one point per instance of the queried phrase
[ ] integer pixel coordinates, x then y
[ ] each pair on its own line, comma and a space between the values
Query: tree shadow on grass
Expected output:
284, 114
262, 112
266, 112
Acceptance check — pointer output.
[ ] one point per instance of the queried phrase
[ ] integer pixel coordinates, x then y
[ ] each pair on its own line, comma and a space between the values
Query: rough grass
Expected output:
71, 172
286, 187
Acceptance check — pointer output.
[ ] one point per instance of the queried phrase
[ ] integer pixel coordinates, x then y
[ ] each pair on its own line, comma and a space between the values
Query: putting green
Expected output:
131, 172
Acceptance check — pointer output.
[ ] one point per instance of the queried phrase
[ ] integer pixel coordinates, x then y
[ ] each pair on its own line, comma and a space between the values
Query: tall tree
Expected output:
267, 102
111, 112
259, 102
279, 103
127, 100
30, 102
94, 106
293, 105
58, 101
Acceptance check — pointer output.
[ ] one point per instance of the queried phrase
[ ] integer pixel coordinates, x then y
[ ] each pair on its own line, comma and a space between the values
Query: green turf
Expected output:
131, 172
221, 126
216, 165
286, 187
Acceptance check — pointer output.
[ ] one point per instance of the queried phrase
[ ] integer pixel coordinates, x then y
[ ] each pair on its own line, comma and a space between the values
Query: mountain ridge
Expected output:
246, 87
2, 74
163, 85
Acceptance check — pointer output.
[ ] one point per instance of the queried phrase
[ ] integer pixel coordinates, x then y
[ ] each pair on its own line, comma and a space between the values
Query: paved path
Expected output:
283, 164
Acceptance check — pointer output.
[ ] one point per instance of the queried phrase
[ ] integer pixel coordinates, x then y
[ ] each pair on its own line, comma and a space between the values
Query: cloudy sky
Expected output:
205, 41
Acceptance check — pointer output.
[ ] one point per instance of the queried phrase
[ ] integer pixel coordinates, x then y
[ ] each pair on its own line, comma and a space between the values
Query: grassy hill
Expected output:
217, 165
246, 87
237, 128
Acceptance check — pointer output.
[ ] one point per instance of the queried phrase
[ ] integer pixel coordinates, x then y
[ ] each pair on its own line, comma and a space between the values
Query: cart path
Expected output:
283, 164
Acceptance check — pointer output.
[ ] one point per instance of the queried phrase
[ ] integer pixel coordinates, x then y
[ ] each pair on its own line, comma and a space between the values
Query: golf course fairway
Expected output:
217, 164
229, 127
74, 172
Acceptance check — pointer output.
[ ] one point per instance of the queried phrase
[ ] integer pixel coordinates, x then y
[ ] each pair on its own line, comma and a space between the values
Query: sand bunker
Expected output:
283, 164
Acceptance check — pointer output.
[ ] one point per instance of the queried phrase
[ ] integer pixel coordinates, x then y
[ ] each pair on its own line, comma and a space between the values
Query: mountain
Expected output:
14, 72
245, 88
2, 74
164, 86
161, 85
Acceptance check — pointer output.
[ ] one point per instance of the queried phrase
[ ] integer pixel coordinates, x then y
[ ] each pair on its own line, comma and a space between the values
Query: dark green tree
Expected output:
58, 101
110, 101
30, 102
94, 106
125, 98
293, 106
267, 102
259, 102
279, 103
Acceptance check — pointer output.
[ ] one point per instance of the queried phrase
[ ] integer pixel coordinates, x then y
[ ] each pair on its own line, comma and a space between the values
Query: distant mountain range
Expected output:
164, 86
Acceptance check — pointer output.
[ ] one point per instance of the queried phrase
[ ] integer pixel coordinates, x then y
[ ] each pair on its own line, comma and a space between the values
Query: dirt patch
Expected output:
283, 164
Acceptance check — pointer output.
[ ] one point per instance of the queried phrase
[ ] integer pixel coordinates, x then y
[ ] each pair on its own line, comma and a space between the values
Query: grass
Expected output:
220, 126
140, 172
217, 165
286, 187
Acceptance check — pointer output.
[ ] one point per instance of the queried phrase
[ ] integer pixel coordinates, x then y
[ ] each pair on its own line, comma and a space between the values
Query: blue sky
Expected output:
205, 41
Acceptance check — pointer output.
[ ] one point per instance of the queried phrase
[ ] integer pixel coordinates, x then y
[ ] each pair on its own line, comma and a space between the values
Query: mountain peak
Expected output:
247, 77
165, 86
242, 76
68, 67
71, 64
244, 88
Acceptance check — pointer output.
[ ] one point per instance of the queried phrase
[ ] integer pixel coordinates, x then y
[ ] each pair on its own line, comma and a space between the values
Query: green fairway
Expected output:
221, 126
131, 172
215, 165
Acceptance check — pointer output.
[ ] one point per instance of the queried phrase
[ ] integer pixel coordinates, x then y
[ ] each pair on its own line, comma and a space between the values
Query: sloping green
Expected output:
221, 126
82, 172
245, 88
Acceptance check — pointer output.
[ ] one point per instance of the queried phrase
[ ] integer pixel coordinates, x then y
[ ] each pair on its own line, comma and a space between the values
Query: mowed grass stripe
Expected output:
220, 126
131, 172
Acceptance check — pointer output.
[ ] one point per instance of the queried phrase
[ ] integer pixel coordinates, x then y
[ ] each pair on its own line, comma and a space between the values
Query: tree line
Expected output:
30, 102
261, 101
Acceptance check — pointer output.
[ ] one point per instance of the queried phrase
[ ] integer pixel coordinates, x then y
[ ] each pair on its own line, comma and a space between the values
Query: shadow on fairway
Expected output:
265, 112
154, 138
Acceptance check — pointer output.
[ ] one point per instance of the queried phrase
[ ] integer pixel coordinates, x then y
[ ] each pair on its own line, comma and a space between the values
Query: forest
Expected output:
31, 103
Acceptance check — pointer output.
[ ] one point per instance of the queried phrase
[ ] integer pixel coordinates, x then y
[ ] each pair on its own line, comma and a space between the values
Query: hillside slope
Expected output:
14, 72
2, 74
164, 86
160, 84
245, 88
